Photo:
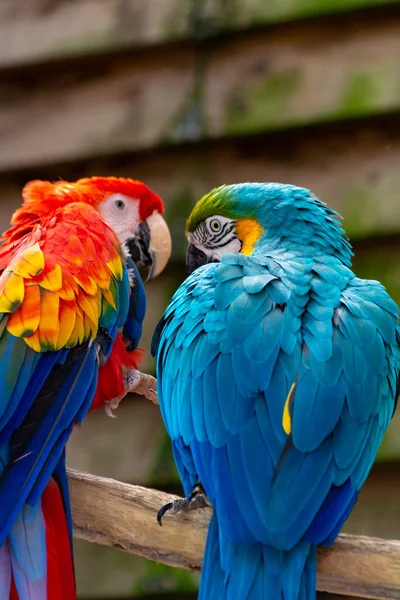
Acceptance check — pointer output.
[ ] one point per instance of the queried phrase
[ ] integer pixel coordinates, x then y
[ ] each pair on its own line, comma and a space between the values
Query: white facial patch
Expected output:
216, 236
232, 247
121, 214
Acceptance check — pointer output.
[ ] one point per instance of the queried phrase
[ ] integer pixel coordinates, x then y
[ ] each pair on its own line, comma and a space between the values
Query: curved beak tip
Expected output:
195, 258
160, 244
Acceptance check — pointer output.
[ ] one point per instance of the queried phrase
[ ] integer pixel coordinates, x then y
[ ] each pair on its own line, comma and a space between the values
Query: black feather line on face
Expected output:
225, 242
226, 229
208, 239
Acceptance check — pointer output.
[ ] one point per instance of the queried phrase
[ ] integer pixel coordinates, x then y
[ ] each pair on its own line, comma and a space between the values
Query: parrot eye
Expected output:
215, 225
120, 204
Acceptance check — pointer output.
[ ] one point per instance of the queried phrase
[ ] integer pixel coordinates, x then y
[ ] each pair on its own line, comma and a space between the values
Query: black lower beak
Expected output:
195, 258
139, 246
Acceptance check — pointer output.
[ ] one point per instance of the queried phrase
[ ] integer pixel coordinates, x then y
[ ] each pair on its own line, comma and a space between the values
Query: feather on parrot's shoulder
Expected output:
238, 285
61, 279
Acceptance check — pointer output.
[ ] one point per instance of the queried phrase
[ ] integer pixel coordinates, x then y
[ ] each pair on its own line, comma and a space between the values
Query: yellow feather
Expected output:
115, 266
100, 274
108, 296
49, 324
33, 341
25, 320
91, 306
68, 290
66, 319
30, 262
89, 328
77, 334
15, 324
286, 417
87, 284
248, 231
35, 257
12, 291
52, 280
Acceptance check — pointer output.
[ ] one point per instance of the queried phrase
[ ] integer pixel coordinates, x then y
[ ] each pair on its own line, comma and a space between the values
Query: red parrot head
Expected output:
129, 207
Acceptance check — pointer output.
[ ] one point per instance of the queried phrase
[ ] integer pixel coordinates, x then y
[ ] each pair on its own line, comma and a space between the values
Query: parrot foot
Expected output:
197, 499
135, 381
110, 405
142, 384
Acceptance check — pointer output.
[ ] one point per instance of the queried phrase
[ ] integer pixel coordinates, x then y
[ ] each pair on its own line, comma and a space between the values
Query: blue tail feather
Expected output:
254, 572
27, 541
5, 570
60, 476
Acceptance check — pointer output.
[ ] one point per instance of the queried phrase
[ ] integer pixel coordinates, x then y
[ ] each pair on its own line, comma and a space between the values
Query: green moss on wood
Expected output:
230, 14
360, 94
264, 106
279, 101
371, 89
156, 578
372, 207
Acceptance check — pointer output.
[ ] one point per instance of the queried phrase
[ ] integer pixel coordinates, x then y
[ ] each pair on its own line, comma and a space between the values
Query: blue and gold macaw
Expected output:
278, 374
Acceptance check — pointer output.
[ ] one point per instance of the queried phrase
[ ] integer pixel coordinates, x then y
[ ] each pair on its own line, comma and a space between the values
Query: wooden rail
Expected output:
46, 31
116, 514
256, 83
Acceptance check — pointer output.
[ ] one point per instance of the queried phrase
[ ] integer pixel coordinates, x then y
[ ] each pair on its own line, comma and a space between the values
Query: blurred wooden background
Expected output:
186, 95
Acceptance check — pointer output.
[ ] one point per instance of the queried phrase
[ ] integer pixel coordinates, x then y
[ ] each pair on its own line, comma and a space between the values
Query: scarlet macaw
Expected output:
278, 374
69, 282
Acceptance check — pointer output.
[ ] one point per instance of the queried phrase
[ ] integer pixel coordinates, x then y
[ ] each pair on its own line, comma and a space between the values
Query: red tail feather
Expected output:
13, 591
60, 570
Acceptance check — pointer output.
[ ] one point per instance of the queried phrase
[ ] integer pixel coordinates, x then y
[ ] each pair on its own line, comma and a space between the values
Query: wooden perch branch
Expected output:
115, 514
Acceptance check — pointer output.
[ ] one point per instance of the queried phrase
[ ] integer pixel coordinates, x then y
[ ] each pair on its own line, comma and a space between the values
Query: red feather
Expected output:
110, 383
13, 591
60, 570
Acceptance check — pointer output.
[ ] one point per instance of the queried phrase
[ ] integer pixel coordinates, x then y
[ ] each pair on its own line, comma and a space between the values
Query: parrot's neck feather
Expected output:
307, 235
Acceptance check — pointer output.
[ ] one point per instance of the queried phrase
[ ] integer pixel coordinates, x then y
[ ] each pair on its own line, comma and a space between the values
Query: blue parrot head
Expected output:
256, 218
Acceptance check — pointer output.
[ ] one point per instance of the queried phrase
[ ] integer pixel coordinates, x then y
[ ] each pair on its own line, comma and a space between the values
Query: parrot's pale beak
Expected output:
151, 246
160, 244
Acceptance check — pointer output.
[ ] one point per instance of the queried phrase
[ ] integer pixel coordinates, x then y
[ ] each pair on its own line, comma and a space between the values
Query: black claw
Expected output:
197, 489
197, 499
164, 509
